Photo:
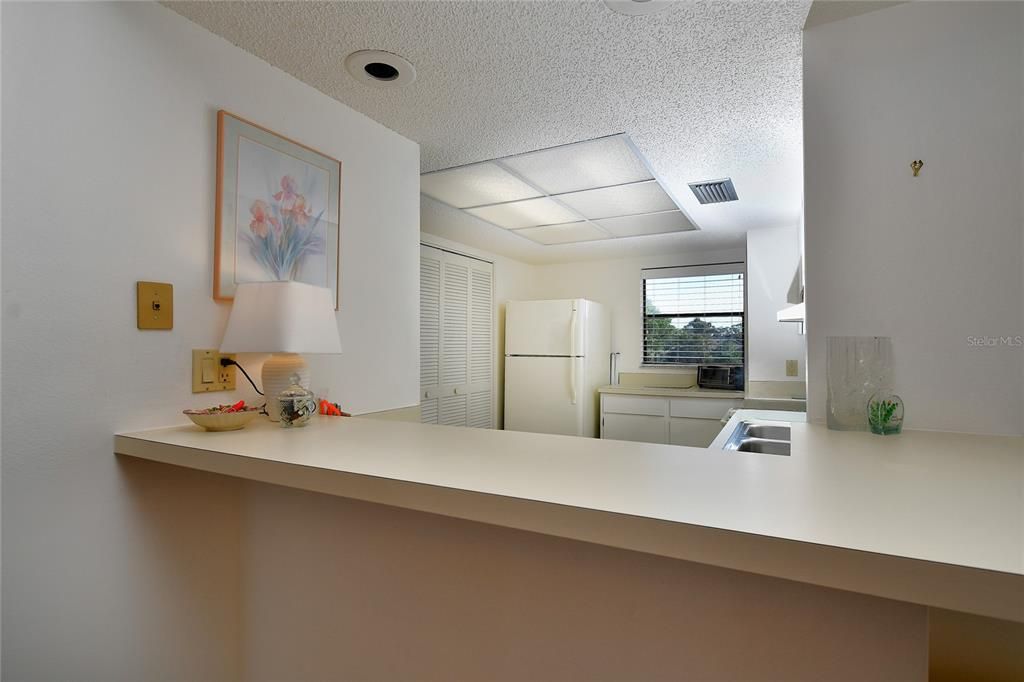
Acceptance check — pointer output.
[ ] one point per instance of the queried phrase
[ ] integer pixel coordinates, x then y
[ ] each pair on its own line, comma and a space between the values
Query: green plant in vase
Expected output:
885, 413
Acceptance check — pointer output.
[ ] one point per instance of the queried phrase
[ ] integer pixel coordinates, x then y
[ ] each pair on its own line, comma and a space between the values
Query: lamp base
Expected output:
277, 376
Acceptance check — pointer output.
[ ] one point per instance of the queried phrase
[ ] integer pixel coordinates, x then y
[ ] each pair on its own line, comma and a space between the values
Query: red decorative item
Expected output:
332, 409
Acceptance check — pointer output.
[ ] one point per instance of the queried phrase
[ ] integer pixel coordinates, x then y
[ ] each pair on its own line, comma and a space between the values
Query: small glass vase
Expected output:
885, 413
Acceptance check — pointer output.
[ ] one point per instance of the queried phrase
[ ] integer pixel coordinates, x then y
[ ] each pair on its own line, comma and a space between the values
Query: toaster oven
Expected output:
724, 377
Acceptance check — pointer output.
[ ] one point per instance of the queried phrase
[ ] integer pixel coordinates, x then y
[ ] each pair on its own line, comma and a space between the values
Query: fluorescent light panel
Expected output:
481, 183
527, 213
650, 223
564, 234
584, 165
612, 202
585, 191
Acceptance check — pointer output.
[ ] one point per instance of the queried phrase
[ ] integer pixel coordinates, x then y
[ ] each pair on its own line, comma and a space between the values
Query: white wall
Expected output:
117, 569
513, 281
617, 284
930, 261
773, 255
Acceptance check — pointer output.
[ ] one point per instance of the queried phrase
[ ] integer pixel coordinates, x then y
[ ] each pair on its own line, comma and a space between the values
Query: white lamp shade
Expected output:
282, 317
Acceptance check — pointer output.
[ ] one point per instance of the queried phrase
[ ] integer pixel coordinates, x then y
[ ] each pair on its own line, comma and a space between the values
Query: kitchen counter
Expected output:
928, 518
671, 392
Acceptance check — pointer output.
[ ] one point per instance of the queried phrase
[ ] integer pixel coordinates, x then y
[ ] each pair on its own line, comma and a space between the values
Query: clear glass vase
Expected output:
857, 367
885, 413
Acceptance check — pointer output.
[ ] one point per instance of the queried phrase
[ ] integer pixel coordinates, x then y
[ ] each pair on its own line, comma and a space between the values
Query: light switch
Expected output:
207, 373
209, 370
792, 368
154, 305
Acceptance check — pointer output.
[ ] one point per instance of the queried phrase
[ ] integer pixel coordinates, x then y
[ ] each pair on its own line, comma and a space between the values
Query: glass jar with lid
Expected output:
298, 405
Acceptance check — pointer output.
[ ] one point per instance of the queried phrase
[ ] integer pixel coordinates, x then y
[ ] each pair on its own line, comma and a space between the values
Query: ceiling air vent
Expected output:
714, 191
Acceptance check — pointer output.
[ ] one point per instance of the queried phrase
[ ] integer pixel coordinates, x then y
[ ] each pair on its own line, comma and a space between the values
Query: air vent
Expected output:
714, 191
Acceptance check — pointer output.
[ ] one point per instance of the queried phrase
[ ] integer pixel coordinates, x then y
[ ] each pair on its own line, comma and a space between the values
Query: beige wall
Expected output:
118, 570
933, 261
364, 591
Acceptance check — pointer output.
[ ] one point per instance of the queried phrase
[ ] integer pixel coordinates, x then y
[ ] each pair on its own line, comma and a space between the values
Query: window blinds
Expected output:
693, 315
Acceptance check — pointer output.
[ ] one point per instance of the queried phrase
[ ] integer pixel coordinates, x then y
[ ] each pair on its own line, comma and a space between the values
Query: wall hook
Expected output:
916, 166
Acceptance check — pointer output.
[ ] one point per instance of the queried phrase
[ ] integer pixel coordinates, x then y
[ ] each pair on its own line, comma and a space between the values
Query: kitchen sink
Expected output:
769, 431
763, 446
765, 438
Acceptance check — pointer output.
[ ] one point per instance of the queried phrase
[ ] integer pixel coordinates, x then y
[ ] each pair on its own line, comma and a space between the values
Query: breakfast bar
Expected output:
933, 519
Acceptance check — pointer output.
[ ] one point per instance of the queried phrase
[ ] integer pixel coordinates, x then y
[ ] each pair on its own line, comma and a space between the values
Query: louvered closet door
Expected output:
481, 346
460, 391
430, 334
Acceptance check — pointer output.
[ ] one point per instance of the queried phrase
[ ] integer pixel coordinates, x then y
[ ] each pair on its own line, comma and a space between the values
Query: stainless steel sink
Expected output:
765, 438
764, 447
769, 431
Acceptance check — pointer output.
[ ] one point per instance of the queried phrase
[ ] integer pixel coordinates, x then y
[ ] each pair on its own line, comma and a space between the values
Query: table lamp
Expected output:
286, 319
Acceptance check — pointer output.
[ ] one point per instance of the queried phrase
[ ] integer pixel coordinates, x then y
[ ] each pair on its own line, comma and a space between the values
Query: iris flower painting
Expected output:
285, 200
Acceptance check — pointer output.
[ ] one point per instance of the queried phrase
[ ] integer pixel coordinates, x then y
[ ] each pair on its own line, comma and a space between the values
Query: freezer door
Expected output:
545, 327
540, 396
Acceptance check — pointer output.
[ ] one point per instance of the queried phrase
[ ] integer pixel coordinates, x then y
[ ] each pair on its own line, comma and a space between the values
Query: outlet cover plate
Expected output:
154, 305
792, 368
216, 378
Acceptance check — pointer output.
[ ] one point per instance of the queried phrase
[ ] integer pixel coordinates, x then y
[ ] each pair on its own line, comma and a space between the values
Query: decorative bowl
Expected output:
222, 421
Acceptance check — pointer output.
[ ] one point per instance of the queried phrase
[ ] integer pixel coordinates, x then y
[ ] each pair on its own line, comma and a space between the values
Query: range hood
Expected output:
795, 312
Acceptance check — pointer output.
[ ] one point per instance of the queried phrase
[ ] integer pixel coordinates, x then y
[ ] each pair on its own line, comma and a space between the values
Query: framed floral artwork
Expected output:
278, 207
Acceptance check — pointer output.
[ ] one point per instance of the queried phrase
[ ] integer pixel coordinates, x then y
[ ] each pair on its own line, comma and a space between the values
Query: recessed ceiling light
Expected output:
380, 68
637, 7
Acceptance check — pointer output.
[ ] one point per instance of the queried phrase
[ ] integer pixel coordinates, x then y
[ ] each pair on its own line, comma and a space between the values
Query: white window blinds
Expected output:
693, 315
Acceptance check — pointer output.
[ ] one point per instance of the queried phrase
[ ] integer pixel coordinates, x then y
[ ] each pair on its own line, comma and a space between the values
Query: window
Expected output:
693, 315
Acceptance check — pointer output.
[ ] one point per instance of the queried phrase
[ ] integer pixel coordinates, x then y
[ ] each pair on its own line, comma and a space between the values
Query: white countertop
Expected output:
671, 392
931, 518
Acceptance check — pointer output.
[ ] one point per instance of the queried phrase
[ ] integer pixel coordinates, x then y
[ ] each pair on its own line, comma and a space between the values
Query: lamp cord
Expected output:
224, 362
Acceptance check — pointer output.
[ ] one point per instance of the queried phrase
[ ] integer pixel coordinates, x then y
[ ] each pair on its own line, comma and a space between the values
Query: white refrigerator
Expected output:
556, 357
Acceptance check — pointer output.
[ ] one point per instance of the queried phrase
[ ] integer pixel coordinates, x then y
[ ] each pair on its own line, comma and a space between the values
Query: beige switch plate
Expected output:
223, 378
792, 368
154, 305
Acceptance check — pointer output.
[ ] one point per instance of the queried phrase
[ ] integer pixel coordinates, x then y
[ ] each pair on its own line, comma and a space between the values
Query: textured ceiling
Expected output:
705, 89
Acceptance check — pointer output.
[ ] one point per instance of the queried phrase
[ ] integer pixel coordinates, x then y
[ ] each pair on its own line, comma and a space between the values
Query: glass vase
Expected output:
856, 368
885, 413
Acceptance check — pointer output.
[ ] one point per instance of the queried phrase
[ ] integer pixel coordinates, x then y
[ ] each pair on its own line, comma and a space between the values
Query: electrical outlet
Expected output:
207, 373
792, 368
154, 305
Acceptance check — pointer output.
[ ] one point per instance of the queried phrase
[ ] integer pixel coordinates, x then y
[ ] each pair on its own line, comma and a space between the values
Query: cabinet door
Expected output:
697, 433
481, 346
635, 427
430, 334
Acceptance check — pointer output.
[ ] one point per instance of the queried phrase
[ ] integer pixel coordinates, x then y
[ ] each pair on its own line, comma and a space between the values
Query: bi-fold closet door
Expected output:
456, 339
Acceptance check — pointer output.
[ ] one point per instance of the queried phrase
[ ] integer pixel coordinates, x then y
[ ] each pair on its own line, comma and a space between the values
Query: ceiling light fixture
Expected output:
384, 69
583, 191
634, 8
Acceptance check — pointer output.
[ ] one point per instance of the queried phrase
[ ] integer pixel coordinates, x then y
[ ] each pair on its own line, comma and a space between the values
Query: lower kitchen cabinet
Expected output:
691, 421
697, 433
635, 427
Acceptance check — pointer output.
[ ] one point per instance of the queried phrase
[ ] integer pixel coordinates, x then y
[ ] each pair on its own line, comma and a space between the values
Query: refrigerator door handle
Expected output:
572, 355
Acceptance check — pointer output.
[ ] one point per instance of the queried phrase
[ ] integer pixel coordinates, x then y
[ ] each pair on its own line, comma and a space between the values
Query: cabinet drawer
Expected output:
635, 404
703, 408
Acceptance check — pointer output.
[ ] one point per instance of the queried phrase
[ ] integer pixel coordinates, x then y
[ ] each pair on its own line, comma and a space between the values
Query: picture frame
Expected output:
278, 210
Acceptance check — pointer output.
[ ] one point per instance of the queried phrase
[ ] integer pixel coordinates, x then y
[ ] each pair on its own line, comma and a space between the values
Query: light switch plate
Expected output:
792, 368
154, 305
215, 377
